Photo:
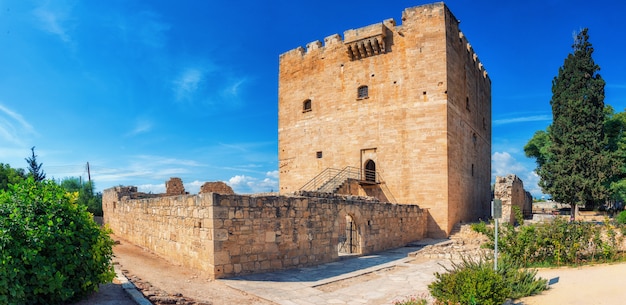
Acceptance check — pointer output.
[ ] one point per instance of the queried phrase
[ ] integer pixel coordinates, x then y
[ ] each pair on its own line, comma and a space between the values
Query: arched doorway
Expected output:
370, 171
348, 236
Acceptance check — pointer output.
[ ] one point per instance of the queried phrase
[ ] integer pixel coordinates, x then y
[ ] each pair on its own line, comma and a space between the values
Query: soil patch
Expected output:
165, 283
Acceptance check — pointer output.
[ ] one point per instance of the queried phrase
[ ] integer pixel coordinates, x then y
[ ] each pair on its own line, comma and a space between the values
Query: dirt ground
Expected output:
599, 285
165, 283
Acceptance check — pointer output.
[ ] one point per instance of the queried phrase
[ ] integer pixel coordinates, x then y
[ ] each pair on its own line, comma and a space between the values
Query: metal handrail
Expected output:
330, 179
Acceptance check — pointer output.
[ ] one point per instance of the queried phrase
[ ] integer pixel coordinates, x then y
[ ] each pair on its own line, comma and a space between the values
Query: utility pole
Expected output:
88, 172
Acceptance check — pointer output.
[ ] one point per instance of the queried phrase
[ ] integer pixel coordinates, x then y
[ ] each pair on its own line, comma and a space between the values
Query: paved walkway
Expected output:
373, 279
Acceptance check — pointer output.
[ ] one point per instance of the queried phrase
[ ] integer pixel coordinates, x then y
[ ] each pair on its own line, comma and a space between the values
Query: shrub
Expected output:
412, 300
470, 282
556, 243
621, 217
51, 250
523, 282
475, 282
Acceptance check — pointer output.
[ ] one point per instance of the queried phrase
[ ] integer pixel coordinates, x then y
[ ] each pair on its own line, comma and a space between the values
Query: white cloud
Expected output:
193, 187
187, 83
141, 126
152, 188
13, 127
238, 180
534, 118
242, 184
503, 164
53, 17
272, 174
233, 89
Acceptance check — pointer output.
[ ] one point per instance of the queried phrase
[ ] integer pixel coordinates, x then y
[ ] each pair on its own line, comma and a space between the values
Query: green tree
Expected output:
615, 129
537, 147
51, 250
86, 194
577, 167
9, 175
34, 169
615, 133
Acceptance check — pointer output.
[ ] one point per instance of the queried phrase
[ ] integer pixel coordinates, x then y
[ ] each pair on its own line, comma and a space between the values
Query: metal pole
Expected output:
495, 253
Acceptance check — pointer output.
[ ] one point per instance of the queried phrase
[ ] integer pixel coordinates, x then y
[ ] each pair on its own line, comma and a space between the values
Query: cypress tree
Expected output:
34, 168
578, 167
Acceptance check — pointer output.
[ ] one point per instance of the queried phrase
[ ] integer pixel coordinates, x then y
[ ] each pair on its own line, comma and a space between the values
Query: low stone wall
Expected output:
230, 235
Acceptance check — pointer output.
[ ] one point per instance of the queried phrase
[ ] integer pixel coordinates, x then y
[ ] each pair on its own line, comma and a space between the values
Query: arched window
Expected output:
306, 105
370, 171
363, 92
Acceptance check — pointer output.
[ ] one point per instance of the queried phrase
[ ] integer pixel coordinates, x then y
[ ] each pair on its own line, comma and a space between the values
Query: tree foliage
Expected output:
9, 175
34, 168
51, 250
574, 162
86, 195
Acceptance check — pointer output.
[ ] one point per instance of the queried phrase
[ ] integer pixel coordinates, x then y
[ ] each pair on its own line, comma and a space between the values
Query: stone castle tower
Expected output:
399, 112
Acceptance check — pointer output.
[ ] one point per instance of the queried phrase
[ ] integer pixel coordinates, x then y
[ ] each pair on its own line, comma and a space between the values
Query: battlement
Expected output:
376, 39
470, 50
365, 40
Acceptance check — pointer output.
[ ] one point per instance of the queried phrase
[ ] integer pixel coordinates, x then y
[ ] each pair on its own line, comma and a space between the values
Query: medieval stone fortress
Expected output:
408, 105
384, 139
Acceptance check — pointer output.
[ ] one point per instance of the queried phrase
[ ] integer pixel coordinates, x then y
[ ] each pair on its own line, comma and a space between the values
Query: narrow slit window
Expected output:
306, 105
363, 92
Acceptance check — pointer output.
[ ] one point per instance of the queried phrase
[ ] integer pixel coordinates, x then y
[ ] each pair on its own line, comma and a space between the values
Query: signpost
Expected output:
496, 212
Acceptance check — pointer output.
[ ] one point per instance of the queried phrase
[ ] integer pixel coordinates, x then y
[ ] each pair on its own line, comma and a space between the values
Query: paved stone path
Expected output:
373, 279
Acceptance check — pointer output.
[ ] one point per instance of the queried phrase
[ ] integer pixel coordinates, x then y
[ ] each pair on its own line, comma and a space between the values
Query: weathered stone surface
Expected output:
510, 190
225, 235
216, 187
174, 186
425, 122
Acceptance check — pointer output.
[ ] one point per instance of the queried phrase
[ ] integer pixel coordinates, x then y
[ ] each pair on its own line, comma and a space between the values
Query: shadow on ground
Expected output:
329, 270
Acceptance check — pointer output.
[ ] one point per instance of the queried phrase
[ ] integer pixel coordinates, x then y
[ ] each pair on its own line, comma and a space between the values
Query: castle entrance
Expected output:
348, 236
370, 171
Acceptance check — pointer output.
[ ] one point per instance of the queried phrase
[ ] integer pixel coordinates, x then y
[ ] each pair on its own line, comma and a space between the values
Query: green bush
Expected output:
523, 282
555, 243
51, 250
621, 217
470, 282
475, 282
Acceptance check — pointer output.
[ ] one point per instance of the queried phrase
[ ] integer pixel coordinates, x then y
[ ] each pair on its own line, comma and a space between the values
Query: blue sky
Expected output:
148, 90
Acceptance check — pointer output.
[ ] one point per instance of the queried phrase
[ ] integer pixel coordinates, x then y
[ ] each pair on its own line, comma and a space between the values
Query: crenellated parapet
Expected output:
473, 54
359, 43
366, 41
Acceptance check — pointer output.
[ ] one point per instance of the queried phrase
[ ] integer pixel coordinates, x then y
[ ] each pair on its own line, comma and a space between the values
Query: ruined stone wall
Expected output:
510, 190
425, 122
216, 187
229, 235
174, 186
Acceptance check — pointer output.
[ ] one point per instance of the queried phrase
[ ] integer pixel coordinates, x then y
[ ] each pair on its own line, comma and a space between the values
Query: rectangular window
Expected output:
319, 154
362, 92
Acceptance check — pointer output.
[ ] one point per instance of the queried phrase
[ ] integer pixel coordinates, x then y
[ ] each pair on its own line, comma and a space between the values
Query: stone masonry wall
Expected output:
230, 235
425, 121
510, 190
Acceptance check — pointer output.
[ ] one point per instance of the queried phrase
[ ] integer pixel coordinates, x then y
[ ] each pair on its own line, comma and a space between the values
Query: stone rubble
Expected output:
464, 243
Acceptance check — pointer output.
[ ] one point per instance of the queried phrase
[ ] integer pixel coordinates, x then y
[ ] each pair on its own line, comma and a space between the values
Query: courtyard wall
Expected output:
230, 235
